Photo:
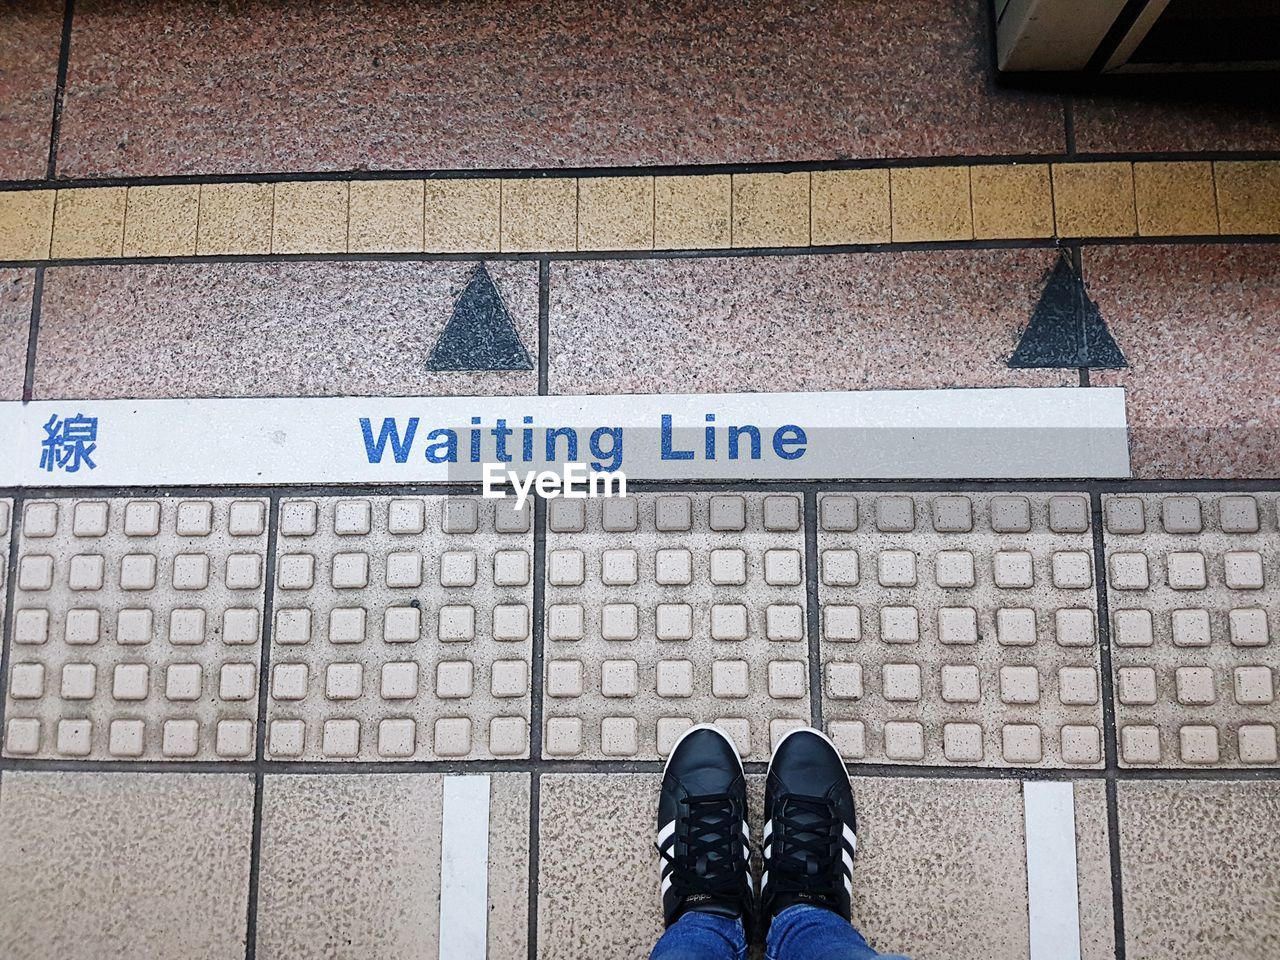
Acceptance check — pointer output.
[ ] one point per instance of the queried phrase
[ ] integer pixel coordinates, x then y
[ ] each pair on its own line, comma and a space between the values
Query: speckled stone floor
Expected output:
266, 723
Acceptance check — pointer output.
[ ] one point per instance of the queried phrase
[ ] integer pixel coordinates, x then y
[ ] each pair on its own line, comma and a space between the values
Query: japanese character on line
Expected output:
69, 443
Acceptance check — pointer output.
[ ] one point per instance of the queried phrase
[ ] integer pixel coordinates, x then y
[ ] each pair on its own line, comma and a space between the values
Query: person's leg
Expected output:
804, 932
704, 845
702, 936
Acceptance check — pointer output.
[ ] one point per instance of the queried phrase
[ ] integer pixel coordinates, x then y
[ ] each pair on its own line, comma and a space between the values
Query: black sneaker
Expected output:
702, 828
810, 829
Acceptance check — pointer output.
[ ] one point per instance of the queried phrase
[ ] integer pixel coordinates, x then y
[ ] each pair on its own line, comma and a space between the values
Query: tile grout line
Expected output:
535, 802
920, 485
264, 668
690, 253
6, 628
59, 92
1110, 743
655, 170
544, 325
255, 869
1261, 774
268, 616
33, 334
536, 659
812, 618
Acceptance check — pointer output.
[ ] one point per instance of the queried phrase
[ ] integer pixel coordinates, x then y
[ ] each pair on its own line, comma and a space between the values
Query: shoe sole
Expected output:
813, 730
712, 727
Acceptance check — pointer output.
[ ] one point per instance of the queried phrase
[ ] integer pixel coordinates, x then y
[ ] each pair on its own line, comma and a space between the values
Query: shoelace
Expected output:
707, 857
805, 850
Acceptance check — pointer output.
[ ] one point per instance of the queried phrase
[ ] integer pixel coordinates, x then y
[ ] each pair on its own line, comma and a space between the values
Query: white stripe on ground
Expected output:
464, 869
1053, 892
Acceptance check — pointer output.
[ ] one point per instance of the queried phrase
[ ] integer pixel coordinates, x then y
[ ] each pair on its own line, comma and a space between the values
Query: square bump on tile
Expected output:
235, 218
539, 214
310, 216
771, 209
931, 203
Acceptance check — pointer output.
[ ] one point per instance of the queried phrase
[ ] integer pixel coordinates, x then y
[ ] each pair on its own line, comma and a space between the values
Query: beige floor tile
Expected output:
1192, 586
1011, 201
1094, 199
462, 216
1248, 195
615, 213
310, 217
663, 611
941, 869
940, 872
26, 224
235, 218
351, 867
692, 212
161, 221
1175, 199
539, 215
850, 206
386, 216
960, 629
771, 209
597, 872
1199, 867
124, 865
88, 222
931, 203
137, 629
402, 629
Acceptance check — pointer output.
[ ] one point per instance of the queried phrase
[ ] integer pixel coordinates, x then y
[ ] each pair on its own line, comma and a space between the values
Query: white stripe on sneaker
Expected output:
666, 833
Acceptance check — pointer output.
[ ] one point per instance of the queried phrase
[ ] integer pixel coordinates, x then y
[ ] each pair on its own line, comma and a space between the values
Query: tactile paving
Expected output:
402, 629
1193, 588
6, 521
664, 610
137, 629
960, 629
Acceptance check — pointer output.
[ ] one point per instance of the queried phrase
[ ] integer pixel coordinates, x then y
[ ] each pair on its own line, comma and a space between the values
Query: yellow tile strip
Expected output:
936, 204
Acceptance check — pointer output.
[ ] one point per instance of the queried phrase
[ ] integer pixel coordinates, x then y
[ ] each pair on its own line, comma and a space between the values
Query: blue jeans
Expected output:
797, 933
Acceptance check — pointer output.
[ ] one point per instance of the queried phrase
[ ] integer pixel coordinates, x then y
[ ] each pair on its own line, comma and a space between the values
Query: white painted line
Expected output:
1009, 433
1053, 891
464, 869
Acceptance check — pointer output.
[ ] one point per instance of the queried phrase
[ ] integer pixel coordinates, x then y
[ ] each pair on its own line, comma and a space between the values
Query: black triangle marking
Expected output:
479, 334
1066, 328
